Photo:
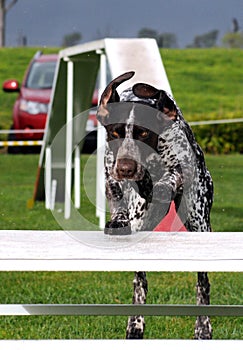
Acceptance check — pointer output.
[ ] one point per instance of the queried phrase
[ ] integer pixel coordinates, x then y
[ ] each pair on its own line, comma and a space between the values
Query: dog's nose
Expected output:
126, 168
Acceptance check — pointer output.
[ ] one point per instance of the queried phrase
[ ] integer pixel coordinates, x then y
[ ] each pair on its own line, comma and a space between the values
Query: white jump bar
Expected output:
94, 251
120, 310
155, 265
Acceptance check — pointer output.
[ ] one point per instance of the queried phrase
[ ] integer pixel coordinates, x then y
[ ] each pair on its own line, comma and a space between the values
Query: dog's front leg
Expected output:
136, 324
119, 223
164, 192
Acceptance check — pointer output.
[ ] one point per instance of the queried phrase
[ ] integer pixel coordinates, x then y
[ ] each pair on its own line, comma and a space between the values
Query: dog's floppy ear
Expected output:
110, 95
142, 90
164, 103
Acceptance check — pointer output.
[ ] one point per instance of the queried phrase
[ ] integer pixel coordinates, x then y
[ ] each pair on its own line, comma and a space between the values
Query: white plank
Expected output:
94, 251
120, 310
121, 344
140, 55
121, 265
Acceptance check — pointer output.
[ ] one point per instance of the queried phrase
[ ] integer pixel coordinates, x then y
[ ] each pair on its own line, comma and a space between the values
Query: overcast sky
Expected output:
45, 22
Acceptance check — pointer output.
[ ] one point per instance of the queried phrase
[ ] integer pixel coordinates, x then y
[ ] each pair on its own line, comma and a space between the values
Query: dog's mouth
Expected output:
127, 169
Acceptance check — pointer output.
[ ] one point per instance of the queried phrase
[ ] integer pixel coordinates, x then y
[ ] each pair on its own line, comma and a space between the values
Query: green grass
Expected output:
91, 287
17, 183
16, 187
207, 83
228, 201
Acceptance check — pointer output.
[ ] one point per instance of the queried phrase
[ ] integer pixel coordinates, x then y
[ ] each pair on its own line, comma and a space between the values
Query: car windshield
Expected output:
41, 75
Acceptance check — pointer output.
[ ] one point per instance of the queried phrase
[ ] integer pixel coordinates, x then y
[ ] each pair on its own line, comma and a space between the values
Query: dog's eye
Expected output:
143, 133
115, 134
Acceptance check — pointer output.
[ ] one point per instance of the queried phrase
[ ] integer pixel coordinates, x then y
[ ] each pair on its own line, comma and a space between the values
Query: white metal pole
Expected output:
77, 189
69, 141
48, 178
53, 193
100, 175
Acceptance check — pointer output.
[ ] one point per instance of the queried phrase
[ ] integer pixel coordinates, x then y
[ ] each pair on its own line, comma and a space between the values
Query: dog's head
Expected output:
133, 122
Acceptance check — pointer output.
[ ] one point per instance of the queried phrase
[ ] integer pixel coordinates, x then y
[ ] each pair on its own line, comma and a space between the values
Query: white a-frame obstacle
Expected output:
74, 83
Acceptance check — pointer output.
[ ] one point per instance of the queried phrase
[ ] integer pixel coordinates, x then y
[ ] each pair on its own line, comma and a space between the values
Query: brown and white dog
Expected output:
152, 159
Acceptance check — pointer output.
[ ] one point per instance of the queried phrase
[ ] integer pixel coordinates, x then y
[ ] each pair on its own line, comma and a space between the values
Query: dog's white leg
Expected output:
136, 324
203, 329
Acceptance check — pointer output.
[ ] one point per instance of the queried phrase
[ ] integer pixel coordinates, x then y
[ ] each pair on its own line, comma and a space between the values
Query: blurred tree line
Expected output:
232, 39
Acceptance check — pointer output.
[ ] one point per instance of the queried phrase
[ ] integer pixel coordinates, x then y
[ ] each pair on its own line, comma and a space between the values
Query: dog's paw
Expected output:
117, 228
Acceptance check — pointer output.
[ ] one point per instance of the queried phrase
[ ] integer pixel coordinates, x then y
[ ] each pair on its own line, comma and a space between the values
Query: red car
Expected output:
31, 106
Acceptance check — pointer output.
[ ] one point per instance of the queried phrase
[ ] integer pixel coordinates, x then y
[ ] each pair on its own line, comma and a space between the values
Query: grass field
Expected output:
17, 187
16, 184
207, 83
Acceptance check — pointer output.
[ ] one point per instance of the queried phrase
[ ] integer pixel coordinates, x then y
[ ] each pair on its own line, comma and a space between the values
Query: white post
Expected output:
48, 178
69, 141
77, 189
101, 135
53, 193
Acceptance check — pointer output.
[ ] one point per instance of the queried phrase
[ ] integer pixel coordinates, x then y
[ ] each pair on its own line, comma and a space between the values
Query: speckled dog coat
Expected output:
151, 159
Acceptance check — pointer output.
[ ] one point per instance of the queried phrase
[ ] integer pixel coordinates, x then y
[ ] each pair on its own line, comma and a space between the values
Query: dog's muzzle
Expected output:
128, 162
126, 168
